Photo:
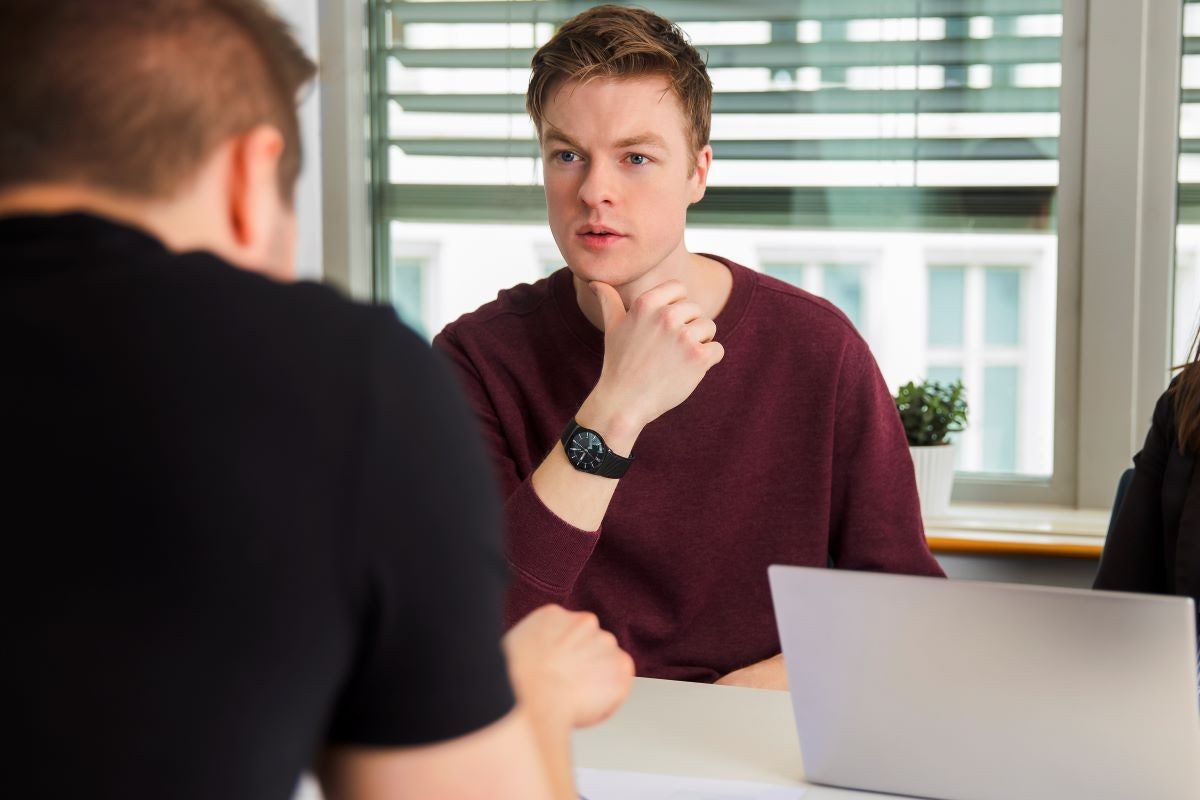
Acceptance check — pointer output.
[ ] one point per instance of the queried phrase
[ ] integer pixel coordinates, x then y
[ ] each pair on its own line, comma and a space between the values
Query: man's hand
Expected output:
562, 664
768, 674
655, 355
654, 358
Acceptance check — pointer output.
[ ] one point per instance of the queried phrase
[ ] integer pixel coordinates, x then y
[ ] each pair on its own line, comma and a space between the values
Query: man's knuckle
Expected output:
587, 619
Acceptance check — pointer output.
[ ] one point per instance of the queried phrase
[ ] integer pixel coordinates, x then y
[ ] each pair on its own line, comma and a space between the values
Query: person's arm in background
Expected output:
770, 673
567, 673
1133, 558
427, 709
875, 513
655, 354
500, 760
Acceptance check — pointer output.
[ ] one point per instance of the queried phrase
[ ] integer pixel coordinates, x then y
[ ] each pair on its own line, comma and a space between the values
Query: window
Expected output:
983, 329
408, 283
406, 288
839, 283
1109, 134
1187, 253
861, 148
548, 257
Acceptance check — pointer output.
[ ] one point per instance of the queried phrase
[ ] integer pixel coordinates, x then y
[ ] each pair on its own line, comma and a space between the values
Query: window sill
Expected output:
1012, 530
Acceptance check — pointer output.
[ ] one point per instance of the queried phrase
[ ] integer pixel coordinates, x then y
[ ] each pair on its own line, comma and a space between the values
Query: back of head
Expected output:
619, 42
131, 96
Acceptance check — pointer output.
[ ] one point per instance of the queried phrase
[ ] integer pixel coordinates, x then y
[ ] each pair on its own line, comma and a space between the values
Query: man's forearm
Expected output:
768, 674
552, 734
579, 498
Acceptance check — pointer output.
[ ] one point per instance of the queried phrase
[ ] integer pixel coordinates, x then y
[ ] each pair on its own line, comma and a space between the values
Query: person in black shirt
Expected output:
1154, 545
250, 529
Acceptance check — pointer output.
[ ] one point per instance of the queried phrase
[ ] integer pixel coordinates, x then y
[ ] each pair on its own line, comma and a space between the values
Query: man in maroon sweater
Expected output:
750, 416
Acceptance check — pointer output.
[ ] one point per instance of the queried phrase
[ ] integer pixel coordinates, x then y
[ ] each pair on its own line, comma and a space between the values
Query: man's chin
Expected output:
615, 272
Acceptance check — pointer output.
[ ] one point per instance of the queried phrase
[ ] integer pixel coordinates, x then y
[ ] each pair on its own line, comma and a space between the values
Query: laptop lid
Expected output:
980, 691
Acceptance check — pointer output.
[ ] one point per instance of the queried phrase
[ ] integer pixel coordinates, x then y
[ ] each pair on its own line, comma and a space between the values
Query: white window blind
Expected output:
854, 114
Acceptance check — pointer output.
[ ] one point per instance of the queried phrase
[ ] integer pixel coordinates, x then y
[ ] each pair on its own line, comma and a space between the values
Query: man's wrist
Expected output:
619, 427
548, 713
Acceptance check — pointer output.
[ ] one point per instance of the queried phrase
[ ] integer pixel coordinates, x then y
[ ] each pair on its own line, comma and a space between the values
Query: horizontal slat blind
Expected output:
744, 11
884, 114
1189, 118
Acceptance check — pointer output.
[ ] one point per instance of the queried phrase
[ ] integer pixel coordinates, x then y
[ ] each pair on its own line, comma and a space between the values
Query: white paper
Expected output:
603, 784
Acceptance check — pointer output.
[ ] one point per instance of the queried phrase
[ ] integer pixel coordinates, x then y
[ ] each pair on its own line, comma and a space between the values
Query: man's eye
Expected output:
567, 156
638, 160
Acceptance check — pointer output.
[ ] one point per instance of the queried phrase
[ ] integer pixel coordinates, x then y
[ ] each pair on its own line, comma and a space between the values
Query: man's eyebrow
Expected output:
554, 134
652, 139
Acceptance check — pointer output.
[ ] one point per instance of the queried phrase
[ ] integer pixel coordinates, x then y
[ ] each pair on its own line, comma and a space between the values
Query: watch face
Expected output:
586, 450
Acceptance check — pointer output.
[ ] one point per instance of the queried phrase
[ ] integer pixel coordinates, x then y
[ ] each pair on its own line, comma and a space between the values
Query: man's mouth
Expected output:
599, 237
597, 230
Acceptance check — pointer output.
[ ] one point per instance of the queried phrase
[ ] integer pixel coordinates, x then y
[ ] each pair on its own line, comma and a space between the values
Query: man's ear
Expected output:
699, 177
254, 201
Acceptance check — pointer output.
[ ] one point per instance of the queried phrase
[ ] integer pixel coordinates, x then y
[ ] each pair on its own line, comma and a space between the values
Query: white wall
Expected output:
302, 15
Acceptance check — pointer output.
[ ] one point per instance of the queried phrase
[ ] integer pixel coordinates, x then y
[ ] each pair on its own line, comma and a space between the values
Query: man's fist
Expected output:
656, 353
563, 664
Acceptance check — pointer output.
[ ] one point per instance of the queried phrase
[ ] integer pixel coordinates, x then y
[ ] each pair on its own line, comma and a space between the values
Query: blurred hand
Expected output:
562, 664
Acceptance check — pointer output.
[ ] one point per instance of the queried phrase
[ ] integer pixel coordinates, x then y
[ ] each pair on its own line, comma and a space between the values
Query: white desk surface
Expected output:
703, 731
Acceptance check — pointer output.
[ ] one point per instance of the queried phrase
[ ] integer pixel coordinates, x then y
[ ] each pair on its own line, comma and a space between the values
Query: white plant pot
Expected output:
934, 466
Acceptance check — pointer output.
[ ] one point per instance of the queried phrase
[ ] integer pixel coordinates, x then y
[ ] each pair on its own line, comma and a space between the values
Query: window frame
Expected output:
1125, 292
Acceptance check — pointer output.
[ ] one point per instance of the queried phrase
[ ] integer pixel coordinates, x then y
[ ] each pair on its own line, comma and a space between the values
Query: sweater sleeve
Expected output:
545, 553
1134, 559
875, 514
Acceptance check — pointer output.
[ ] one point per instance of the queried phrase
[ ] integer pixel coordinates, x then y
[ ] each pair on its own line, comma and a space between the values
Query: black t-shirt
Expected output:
242, 521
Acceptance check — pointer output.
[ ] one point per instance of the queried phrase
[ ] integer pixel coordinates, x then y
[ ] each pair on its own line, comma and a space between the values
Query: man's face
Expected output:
618, 168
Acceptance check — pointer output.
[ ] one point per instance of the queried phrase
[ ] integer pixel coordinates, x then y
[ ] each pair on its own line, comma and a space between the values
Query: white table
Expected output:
703, 731
695, 730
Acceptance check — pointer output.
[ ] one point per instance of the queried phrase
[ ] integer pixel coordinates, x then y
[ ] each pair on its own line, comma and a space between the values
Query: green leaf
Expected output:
931, 411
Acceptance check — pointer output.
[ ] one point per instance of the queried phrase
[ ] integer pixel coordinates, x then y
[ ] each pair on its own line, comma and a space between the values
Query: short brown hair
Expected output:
617, 41
133, 95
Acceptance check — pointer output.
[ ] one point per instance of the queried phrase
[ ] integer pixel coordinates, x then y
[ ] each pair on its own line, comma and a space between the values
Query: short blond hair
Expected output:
611, 41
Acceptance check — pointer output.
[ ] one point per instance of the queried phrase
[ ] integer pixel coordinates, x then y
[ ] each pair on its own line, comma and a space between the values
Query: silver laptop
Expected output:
984, 691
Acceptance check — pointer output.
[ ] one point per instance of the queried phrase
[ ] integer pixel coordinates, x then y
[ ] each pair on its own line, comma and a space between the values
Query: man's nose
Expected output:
599, 185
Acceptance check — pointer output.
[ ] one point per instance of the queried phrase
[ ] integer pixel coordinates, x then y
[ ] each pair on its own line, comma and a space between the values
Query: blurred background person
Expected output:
1154, 545
251, 529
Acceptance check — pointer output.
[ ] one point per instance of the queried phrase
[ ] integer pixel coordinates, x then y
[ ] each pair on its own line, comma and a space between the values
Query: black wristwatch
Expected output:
588, 452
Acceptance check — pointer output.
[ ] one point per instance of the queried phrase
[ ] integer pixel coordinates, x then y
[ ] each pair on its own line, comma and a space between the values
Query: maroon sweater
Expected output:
790, 451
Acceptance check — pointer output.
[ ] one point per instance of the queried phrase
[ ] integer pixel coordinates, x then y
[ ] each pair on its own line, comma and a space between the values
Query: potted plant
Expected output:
930, 412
